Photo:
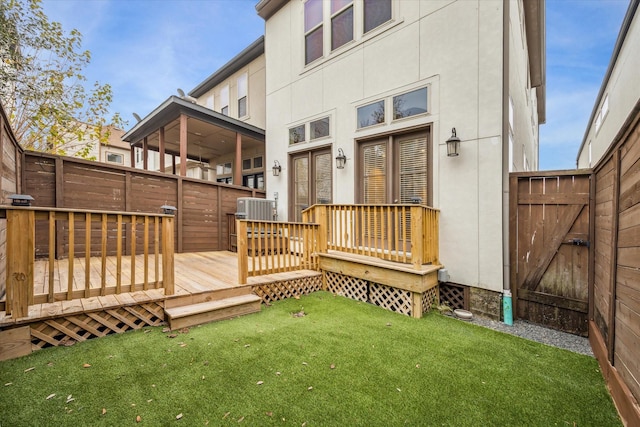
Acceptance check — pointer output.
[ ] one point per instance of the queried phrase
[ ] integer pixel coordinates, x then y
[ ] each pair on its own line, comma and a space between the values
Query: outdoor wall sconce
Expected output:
453, 144
276, 168
341, 159
21, 199
168, 210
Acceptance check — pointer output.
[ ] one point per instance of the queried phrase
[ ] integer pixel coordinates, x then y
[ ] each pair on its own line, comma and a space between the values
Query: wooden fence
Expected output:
70, 183
400, 233
266, 247
615, 288
156, 233
10, 183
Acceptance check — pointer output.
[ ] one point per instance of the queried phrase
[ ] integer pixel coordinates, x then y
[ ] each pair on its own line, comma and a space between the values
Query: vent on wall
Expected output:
255, 209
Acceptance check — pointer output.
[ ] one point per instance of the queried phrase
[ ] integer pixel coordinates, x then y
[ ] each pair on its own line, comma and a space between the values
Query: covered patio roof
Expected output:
208, 134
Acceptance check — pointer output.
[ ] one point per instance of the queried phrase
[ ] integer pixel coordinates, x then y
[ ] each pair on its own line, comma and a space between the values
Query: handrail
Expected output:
406, 233
157, 232
266, 247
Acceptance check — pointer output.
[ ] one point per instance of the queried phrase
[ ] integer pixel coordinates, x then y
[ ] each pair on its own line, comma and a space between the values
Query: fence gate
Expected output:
549, 245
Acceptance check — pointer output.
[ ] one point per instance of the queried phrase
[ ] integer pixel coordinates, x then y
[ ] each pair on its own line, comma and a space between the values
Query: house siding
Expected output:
461, 65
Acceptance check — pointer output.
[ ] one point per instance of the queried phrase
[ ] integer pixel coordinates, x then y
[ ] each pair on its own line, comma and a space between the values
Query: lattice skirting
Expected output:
283, 289
78, 327
388, 297
455, 296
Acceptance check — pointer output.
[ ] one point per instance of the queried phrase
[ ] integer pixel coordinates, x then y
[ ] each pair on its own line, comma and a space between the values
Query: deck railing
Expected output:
102, 233
400, 233
266, 247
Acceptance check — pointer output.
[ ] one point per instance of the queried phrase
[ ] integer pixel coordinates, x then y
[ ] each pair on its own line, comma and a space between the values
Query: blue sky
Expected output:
146, 49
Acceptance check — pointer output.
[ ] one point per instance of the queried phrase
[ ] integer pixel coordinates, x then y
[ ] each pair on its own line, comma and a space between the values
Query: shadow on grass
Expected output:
342, 363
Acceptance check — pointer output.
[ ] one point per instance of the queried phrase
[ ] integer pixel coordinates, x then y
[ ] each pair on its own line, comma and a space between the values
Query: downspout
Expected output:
506, 271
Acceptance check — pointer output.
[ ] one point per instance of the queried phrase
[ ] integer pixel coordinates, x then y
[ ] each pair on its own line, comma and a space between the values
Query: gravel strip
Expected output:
538, 333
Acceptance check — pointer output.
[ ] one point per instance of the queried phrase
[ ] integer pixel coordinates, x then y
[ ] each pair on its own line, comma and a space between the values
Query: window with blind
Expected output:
400, 179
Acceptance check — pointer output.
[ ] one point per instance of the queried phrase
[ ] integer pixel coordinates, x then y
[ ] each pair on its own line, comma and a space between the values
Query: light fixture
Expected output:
168, 209
276, 168
341, 159
453, 144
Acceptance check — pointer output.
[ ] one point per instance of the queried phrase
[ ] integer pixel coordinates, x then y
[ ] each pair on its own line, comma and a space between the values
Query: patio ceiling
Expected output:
209, 134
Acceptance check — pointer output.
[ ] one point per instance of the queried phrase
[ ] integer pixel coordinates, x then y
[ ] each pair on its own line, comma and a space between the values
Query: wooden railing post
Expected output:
417, 237
167, 256
321, 220
21, 230
243, 273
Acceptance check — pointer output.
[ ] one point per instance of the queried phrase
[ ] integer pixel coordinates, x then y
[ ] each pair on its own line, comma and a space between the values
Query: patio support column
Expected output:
183, 145
133, 155
145, 154
161, 147
237, 176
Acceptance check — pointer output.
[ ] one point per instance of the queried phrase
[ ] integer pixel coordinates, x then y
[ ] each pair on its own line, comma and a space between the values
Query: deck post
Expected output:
321, 220
416, 305
167, 256
417, 237
243, 266
21, 232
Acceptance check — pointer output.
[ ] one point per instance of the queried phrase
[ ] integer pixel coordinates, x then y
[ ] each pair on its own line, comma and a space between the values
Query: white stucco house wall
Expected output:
619, 93
384, 82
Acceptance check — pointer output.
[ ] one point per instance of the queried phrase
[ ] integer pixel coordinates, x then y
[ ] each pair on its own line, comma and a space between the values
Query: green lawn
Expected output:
343, 363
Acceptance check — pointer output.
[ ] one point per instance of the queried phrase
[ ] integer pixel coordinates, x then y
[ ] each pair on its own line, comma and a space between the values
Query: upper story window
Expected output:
346, 20
371, 114
341, 22
376, 13
242, 95
297, 134
319, 128
313, 34
224, 100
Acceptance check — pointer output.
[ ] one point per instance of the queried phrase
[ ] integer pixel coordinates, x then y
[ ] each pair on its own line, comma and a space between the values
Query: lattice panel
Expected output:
429, 297
83, 326
393, 299
347, 286
280, 290
453, 296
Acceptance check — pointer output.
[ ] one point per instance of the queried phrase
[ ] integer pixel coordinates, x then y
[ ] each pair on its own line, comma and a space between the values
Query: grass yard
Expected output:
343, 363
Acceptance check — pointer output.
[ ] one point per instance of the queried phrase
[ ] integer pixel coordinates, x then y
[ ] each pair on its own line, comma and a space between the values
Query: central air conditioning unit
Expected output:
255, 209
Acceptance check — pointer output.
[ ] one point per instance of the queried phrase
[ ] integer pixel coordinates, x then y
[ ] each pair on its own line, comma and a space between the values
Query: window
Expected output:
395, 169
312, 180
340, 17
257, 162
255, 180
209, 102
246, 164
371, 114
223, 169
341, 22
224, 100
376, 13
297, 135
242, 95
319, 128
313, 30
115, 158
410, 103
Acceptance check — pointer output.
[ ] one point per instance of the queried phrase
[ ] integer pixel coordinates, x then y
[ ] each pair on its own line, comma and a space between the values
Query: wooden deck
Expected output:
199, 276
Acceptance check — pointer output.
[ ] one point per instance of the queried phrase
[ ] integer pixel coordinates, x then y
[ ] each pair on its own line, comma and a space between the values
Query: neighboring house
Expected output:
216, 132
384, 82
113, 150
619, 93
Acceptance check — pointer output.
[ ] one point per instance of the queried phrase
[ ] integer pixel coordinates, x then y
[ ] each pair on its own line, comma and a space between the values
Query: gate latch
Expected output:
580, 242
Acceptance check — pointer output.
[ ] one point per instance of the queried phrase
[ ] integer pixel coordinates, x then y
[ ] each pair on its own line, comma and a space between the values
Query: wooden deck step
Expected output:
196, 314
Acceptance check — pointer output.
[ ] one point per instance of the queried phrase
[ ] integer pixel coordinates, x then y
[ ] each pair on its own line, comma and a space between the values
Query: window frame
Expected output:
243, 94
224, 100
119, 155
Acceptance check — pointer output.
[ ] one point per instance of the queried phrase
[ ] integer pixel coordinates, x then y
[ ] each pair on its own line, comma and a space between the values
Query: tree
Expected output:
42, 87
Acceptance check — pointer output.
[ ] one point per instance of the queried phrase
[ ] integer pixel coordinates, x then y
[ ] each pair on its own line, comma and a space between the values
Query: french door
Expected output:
395, 169
312, 181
